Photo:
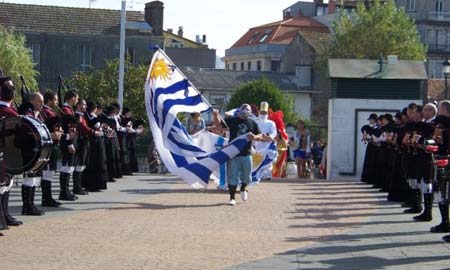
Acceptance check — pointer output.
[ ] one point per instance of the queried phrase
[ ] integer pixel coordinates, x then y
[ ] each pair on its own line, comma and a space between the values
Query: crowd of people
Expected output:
407, 157
95, 145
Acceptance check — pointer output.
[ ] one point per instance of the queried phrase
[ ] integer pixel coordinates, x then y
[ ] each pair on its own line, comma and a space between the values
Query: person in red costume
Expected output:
279, 166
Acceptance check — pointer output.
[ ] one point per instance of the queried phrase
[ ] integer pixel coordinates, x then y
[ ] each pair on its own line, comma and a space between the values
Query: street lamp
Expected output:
446, 71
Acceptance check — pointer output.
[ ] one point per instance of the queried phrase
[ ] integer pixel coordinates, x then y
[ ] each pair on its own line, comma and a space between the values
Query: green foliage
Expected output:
366, 33
254, 92
15, 58
102, 86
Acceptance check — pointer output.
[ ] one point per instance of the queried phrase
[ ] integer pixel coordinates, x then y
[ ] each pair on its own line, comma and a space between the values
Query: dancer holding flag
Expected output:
168, 92
240, 167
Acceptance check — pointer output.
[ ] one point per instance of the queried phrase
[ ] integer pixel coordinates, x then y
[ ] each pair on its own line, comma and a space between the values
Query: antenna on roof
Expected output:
91, 1
135, 5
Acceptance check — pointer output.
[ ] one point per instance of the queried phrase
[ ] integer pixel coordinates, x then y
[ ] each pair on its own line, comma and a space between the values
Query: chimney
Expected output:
197, 39
170, 30
331, 6
154, 15
204, 39
180, 31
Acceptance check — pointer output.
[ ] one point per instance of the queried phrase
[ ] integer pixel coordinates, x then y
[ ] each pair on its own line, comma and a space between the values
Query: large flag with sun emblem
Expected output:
167, 93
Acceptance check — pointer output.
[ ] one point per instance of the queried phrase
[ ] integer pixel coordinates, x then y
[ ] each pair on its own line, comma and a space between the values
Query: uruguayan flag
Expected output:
212, 142
167, 93
267, 153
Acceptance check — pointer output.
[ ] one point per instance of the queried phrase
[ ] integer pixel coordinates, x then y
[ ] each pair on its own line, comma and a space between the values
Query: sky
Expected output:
222, 21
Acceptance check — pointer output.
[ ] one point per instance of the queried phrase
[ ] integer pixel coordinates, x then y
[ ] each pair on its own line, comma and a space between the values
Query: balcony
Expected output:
438, 47
439, 16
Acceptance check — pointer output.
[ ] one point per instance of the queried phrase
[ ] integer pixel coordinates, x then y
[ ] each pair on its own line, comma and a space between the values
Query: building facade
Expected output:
261, 48
299, 60
64, 40
361, 87
432, 18
218, 85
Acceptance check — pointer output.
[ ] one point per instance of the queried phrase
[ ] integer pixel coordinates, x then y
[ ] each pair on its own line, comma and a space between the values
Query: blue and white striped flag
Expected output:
167, 93
267, 151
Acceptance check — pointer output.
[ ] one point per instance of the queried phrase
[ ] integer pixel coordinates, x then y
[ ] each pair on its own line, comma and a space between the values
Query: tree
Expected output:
380, 28
102, 86
15, 58
254, 92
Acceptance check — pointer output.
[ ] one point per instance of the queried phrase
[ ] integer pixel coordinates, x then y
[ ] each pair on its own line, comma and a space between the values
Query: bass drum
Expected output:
26, 144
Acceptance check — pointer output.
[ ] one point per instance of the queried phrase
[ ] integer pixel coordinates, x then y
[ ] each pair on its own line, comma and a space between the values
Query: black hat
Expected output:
388, 116
398, 115
125, 110
372, 116
4, 79
109, 110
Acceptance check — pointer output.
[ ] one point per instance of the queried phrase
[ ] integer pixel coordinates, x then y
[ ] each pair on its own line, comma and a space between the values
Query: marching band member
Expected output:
68, 145
53, 123
6, 97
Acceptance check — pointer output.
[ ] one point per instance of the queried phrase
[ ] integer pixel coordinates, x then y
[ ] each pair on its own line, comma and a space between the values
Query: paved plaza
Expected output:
158, 222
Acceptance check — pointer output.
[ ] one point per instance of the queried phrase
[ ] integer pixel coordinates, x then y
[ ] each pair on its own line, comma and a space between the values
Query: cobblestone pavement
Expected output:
157, 222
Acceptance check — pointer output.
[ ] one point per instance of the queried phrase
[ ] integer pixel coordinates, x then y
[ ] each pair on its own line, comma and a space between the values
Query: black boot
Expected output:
416, 208
446, 238
427, 212
10, 220
35, 209
47, 199
77, 188
444, 226
28, 208
65, 194
3, 224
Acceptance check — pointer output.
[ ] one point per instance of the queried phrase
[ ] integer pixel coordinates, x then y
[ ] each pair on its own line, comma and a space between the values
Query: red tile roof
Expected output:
281, 32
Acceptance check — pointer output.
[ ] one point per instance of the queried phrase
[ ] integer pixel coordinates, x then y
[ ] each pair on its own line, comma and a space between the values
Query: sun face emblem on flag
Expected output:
257, 159
160, 70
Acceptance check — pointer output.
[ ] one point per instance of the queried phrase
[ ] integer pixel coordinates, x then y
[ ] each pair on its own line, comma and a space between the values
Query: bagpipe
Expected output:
440, 174
68, 123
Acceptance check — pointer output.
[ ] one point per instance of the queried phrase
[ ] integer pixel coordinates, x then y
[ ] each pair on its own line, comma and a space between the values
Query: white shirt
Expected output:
267, 127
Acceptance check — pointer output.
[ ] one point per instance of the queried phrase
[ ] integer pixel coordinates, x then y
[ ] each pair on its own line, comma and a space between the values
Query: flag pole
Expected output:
122, 53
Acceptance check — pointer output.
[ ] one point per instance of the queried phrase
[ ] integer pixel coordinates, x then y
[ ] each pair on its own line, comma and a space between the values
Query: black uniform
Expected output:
96, 174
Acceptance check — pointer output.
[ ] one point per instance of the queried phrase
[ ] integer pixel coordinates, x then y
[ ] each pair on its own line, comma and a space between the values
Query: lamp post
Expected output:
446, 71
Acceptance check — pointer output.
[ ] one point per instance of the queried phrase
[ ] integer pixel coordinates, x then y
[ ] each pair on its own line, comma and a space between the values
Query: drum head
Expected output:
19, 144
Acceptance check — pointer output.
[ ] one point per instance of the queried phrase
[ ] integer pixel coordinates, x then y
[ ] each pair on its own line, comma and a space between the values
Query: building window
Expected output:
303, 75
411, 6
84, 58
131, 56
35, 49
242, 65
440, 7
321, 10
234, 66
255, 34
275, 66
218, 102
176, 43
258, 65
429, 37
249, 65
228, 66
265, 36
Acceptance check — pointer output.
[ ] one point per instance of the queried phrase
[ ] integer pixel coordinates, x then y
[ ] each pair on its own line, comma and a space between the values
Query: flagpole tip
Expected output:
154, 47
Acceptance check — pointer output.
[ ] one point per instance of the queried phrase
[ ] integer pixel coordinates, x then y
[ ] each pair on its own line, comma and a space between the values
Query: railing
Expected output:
439, 47
438, 16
